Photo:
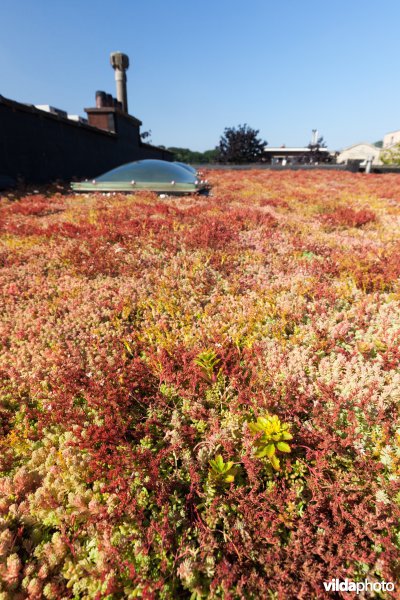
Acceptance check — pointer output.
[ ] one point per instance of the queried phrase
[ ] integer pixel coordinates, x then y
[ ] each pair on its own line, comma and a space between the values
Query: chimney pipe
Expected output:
314, 140
120, 64
100, 99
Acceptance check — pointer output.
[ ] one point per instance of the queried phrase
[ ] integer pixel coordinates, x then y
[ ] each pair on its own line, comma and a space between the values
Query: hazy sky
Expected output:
284, 68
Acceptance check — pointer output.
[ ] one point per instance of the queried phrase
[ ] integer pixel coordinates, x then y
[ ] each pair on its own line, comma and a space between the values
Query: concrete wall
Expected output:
40, 147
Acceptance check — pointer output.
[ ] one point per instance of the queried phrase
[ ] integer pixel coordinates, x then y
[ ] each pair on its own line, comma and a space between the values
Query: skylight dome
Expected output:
149, 174
185, 166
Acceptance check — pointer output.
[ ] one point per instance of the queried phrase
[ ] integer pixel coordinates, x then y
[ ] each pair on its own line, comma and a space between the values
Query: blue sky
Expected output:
284, 68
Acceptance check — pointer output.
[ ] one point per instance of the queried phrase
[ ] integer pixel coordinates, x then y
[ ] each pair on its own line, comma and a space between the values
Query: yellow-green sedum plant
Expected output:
273, 438
221, 472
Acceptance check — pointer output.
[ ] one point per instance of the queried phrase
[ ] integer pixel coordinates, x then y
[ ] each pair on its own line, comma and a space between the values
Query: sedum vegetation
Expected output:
199, 397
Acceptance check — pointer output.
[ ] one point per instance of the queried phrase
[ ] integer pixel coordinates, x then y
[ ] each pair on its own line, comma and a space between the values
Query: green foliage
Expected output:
146, 135
207, 361
240, 145
316, 155
273, 438
210, 156
193, 157
221, 472
391, 156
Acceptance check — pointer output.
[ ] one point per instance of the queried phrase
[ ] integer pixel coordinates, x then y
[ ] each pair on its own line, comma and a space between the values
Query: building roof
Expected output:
361, 144
43, 114
288, 150
391, 132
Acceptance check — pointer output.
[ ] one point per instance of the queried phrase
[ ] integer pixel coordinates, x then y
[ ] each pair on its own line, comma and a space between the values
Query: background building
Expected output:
313, 154
392, 138
287, 156
359, 153
42, 144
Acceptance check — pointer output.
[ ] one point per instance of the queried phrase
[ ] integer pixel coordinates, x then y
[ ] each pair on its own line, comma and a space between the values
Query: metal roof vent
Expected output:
120, 64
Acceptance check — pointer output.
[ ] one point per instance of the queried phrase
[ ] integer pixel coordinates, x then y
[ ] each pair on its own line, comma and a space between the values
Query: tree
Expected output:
316, 155
210, 156
192, 156
240, 145
145, 135
391, 156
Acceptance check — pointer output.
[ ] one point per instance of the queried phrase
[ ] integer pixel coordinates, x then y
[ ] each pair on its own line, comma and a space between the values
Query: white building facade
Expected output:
360, 152
391, 139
